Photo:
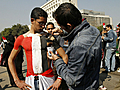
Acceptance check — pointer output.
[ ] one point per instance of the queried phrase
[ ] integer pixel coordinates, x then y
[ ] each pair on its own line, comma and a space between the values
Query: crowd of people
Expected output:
65, 58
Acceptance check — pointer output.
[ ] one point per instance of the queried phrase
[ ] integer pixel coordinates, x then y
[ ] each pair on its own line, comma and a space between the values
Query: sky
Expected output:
18, 11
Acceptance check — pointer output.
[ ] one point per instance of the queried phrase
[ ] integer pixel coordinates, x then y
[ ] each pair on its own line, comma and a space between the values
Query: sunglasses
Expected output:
50, 28
41, 23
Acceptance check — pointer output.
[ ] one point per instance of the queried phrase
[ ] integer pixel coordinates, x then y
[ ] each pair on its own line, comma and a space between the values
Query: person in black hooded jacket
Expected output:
18, 63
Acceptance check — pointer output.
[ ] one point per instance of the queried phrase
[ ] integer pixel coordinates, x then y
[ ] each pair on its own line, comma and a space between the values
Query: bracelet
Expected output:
59, 78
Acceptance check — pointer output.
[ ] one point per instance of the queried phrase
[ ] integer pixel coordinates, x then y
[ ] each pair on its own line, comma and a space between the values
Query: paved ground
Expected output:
4, 79
110, 80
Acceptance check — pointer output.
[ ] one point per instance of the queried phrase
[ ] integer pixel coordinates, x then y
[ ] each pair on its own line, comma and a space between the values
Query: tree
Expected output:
24, 29
6, 32
15, 30
100, 28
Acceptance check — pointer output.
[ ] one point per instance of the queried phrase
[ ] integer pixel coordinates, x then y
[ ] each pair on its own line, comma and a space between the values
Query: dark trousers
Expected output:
18, 66
10, 76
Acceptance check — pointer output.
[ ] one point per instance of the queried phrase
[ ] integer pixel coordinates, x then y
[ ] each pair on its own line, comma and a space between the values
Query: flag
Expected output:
104, 26
4, 39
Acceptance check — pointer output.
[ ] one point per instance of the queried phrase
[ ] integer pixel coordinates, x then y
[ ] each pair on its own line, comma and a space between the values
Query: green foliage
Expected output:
100, 28
15, 30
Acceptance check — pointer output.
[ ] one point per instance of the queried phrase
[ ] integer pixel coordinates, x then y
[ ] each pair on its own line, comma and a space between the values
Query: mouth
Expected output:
39, 30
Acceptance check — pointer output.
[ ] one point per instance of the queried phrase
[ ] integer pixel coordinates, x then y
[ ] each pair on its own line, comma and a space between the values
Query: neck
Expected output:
32, 31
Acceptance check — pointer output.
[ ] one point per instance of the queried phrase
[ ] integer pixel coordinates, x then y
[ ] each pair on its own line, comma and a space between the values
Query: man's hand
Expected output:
53, 56
57, 31
22, 85
55, 85
102, 37
56, 44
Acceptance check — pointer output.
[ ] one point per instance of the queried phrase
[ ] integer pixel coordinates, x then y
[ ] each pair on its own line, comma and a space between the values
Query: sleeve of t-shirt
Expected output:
18, 42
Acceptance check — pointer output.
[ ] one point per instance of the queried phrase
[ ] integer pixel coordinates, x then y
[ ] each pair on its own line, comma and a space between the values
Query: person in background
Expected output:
49, 27
84, 50
118, 58
6, 54
118, 38
61, 84
52, 38
3, 43
110, 48
18, 60
104, 33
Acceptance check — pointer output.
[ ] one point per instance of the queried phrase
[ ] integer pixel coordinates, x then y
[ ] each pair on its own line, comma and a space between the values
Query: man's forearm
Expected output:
13, 69
12, 65
61, 68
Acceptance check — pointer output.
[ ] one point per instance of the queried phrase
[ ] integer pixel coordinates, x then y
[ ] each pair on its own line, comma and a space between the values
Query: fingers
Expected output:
54, 88
53, 56
28, 85
49, 56
51, 52
50, 87
55, 31
23, 88
27, 88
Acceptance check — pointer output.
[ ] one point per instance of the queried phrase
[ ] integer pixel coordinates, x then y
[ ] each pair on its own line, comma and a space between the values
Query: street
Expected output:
110, 80
4, 78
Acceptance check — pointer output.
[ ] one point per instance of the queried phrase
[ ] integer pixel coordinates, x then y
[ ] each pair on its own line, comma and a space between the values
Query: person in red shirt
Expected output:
39, 74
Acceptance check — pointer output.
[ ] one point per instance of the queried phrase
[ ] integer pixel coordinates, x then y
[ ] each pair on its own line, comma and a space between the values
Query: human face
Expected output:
50, 28
107, 29
39, 24
67, 28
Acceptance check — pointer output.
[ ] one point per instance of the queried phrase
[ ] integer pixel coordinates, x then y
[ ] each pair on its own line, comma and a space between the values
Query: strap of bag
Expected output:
85, 58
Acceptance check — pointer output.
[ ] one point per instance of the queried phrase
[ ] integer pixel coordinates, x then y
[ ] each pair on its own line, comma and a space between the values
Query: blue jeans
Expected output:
110, 53
36, 83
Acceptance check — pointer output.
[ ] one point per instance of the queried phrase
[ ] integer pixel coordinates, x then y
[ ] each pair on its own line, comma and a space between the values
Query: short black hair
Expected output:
50, 23
38, 12
109, 26
67, 13
10, 38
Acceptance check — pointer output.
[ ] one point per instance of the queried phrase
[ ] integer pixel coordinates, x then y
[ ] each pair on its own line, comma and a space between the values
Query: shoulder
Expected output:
27, 33
19, 38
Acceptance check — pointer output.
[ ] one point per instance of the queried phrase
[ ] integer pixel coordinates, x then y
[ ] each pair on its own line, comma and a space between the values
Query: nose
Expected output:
50, 29
43, 26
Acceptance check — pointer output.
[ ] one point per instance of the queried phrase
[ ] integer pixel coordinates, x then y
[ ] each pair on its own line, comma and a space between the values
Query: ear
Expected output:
70, 26
32, 20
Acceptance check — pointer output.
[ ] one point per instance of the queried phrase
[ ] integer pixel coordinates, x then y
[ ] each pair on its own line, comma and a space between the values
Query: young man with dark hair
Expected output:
84, 50
39, 74
110, 48
49, 27
60, 83
50, 23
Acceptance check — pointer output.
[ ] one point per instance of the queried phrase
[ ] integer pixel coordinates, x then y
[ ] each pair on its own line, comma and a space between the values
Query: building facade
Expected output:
93, 17
96, 18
